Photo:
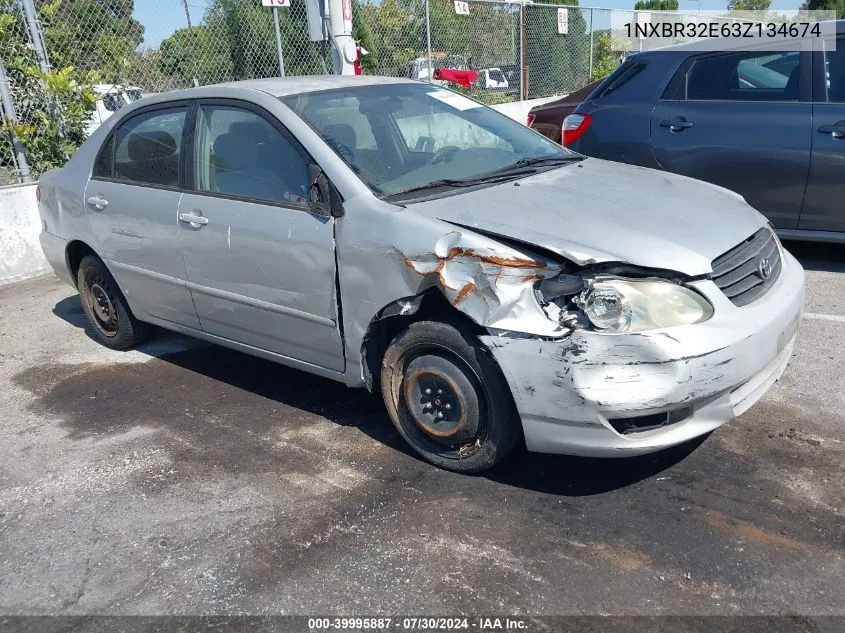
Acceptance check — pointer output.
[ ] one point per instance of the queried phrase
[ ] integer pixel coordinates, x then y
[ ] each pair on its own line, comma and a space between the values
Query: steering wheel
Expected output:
444, 154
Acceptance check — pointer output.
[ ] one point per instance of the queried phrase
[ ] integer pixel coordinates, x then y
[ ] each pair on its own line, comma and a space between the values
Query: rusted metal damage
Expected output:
495, 288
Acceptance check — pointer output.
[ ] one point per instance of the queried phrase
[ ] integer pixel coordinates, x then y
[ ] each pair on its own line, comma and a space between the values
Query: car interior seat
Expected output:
237, 168
152, 158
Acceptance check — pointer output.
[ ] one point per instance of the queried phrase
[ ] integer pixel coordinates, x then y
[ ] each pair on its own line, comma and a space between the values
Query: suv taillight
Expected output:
574, 126
530, 119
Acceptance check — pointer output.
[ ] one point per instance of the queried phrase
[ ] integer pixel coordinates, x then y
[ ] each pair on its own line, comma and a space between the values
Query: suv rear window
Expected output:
622, 75
742, 76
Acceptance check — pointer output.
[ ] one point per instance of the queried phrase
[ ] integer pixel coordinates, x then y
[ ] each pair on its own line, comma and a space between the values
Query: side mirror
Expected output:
325, 200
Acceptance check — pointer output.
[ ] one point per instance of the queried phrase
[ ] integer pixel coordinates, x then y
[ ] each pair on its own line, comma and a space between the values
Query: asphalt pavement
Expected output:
186, 478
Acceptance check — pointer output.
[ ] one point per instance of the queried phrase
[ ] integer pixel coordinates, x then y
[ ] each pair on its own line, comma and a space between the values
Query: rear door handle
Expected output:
837, 130
98, 202
677, 124
194, 220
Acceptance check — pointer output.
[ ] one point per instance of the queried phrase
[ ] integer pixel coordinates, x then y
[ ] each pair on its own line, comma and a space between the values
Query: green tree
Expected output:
398, 41
749, 5
656, 5
53, 108
826, 5
195, 53
363, 34
96, 35
556, 63
605, 60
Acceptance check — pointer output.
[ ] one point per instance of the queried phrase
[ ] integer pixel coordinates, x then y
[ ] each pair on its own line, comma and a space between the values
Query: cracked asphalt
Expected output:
185, 478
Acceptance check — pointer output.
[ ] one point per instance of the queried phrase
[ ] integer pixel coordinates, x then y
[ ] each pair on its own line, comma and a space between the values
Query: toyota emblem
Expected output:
765, 268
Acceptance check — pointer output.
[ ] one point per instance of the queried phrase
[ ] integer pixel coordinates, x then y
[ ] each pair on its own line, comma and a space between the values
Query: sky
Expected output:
162, 17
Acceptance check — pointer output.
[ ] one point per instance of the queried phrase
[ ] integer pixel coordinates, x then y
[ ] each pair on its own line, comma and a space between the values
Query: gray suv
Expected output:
769, 125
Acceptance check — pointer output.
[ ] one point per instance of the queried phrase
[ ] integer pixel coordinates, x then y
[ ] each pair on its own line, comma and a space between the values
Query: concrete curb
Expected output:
20, 251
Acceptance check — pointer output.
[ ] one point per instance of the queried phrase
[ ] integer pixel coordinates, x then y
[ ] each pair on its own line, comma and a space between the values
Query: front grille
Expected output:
747, 271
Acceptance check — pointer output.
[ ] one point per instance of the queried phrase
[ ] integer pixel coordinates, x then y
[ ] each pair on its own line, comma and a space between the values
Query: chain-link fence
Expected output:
70, 64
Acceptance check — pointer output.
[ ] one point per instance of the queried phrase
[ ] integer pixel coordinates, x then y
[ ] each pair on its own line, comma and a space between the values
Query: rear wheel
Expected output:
448, 398
111, 321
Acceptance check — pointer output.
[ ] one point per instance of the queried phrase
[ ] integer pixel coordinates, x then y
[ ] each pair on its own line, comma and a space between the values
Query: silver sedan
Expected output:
399, 236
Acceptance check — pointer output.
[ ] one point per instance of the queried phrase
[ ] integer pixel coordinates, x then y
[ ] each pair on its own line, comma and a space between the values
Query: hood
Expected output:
600, 211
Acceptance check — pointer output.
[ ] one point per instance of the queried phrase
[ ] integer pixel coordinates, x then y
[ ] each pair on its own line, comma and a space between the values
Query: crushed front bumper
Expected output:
573, 393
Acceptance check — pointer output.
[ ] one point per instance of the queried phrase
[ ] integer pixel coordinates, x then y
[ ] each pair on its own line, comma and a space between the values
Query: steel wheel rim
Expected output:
102, 306
460, 449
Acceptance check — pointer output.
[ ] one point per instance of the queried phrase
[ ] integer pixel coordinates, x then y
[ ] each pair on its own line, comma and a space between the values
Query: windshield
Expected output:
400, 137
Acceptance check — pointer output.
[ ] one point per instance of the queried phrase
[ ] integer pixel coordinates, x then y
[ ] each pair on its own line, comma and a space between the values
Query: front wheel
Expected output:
105, 307
448, 398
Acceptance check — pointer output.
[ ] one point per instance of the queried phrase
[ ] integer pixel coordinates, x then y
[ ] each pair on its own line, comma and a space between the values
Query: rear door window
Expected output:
145, 149
745, 76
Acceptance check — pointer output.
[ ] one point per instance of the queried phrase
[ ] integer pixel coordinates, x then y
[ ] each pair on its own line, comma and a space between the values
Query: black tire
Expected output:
466, 421
111, 321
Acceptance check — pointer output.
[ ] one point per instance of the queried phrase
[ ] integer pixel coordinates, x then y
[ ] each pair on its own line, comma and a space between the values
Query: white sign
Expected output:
563, 21
643, 18
275, 3
461, 7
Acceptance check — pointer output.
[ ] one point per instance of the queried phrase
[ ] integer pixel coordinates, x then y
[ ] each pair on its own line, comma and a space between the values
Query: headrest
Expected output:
257, 130
235, 151
150, 145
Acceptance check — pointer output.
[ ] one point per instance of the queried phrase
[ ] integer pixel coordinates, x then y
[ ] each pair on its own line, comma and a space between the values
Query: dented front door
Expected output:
261, 266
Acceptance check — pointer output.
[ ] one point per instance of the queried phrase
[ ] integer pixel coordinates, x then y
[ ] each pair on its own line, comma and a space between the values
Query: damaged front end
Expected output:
508, 290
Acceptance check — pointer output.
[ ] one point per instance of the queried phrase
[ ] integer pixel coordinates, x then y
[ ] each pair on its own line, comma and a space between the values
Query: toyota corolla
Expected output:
395, 235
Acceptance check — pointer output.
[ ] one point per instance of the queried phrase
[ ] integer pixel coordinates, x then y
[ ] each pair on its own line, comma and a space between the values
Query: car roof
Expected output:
280, 86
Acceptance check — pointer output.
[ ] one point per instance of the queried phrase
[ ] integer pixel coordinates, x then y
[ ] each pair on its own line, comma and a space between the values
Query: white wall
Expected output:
20, 252
518, 110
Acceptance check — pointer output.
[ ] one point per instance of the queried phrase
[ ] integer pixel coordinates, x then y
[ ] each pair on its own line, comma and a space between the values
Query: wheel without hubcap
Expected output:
443, 402
102, 306
447, 398
105, 306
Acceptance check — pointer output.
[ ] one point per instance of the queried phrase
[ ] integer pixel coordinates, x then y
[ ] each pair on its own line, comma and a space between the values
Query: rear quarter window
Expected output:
620, 77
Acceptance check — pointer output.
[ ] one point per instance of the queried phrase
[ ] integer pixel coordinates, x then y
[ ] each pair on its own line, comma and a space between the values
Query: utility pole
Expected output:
9, 110
193, 40
36, 37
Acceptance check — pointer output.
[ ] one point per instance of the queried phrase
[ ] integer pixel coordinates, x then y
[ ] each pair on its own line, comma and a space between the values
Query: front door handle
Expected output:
837, 130
194, 220
677, 124
98, 202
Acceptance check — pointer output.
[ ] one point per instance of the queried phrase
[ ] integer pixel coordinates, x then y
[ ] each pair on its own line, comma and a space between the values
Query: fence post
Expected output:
590, 75
278, 42
428, 40
34, 28
11, 115
523, 75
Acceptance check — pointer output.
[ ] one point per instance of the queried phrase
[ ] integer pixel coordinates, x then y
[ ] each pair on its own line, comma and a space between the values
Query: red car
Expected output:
547, 118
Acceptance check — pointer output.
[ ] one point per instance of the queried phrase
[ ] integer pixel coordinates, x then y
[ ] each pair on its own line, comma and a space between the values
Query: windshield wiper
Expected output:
450, 182
519, 168
543, 160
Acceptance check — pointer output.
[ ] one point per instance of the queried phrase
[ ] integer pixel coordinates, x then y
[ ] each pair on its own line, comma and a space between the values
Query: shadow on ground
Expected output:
819, 256
218, 400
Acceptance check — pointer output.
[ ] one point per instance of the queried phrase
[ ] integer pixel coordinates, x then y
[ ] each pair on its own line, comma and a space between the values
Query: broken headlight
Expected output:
628, 305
